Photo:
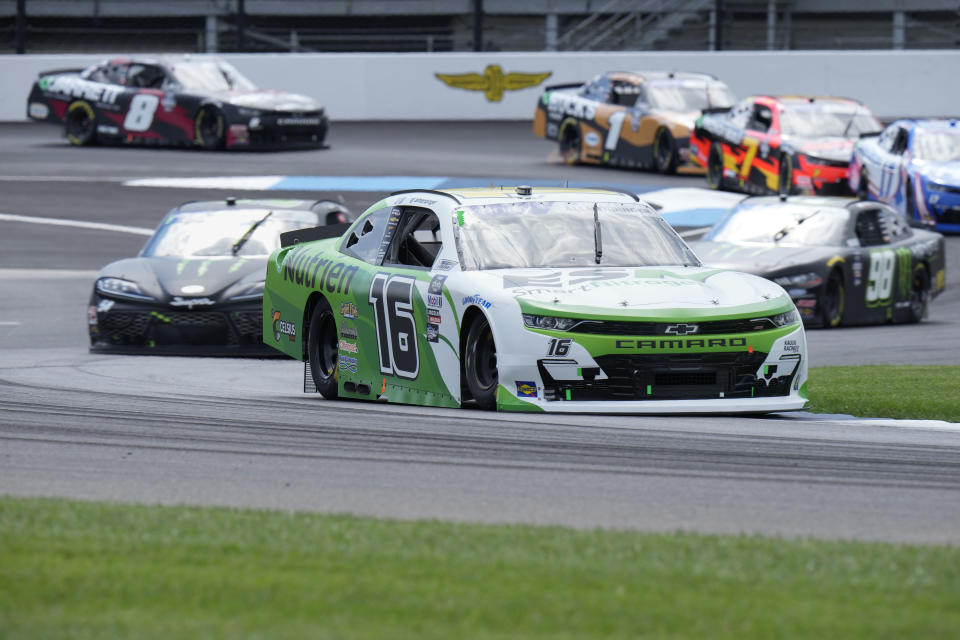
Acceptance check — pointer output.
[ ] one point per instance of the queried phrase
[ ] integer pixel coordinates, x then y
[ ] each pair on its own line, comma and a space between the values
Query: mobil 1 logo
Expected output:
392, 300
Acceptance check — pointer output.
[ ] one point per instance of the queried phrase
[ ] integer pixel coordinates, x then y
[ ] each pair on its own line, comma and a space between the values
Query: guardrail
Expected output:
492, 86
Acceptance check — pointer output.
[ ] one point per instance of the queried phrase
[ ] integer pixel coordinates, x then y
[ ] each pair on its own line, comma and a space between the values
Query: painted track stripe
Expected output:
47, 274
98, 226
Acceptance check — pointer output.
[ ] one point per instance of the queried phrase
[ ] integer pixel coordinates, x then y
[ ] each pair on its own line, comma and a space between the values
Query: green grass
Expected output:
92, 570
884, 391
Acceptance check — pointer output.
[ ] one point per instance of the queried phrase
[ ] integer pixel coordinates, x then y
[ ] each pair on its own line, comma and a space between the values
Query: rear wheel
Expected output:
322, 350
665, 151
80, 124
832, 301
570, 141
919, 294
209, 129
480, 364
785, 179
715, 166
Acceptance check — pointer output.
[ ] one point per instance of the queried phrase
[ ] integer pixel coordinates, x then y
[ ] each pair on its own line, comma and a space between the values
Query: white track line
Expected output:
99, 226
47, 274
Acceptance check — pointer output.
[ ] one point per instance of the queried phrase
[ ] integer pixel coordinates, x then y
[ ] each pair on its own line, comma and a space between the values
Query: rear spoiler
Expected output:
716, 110
53, 72
311, 234
572, 85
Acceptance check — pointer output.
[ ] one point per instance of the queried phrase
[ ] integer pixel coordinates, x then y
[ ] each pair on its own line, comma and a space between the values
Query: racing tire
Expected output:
863, 187
715, 166
919, 295
832, 301
570, 142
322, 350
665, 151
480, 364
80, 123
209, 128
785, 176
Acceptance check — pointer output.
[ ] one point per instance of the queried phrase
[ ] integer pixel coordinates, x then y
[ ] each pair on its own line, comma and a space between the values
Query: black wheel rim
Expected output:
80, 123
570, 143
714, 169
209, 127
326, 347
485, 358
664, 153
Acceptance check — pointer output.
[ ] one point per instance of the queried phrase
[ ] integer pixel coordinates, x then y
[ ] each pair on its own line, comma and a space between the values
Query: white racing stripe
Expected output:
249, 183
99, 226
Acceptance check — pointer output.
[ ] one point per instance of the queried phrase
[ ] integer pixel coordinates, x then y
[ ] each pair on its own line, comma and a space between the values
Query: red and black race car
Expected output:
174, 101
782, 144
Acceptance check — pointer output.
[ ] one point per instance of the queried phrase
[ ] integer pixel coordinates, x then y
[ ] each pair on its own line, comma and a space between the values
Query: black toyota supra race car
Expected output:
843, 262
174, 101
196, 287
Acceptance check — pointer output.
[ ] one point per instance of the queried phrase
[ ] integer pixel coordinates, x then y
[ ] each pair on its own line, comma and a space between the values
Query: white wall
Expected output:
404, 87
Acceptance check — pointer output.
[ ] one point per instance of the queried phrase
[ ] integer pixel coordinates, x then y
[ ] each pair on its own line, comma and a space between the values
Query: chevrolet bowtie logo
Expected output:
493, 81
681, 329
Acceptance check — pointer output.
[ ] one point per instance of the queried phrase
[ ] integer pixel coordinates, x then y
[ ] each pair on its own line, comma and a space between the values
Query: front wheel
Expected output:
665, 151
832, 301
322, 350
919, 294
80, 124
480, 364
209, 129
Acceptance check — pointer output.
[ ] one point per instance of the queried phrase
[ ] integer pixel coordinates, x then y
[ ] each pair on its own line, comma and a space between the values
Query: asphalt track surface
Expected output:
239, 432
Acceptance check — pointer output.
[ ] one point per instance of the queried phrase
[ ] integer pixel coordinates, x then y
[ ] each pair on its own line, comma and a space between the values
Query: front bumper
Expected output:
279, 132
117, 326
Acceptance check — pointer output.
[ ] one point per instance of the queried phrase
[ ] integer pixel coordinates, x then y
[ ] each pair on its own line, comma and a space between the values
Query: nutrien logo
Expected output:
493, 81
282, 328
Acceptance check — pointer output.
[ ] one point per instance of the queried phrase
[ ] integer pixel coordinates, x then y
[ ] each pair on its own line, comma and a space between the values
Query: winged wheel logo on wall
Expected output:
493, 82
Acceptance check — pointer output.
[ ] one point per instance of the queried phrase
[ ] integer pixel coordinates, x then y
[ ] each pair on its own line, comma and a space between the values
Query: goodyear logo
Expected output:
493, 82
526, 389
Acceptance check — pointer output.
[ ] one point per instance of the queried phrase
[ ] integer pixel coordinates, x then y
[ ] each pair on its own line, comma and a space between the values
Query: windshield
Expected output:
936, 146
827, 120
563, 234
689, 95
210, 75
787, 224
214, 233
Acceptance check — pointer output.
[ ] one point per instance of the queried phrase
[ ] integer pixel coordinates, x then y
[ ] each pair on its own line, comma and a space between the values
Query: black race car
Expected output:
197, 285
174, 101
842, 261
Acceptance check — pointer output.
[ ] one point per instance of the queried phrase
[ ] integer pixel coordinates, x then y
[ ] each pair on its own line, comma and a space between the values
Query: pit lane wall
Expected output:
505, 86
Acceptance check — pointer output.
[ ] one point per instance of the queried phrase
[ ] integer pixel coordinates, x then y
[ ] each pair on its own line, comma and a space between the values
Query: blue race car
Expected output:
913, 165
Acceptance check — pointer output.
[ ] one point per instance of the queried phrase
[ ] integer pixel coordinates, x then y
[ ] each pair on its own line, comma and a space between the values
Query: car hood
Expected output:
271, 101
641, 291
836, 149
760, 258
189, 281
947, 173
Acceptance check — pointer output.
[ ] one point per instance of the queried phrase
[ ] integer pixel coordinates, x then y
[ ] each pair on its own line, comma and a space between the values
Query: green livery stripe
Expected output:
507, 401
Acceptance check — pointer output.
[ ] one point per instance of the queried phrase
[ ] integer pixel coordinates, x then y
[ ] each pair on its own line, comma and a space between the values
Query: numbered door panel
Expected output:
888, 266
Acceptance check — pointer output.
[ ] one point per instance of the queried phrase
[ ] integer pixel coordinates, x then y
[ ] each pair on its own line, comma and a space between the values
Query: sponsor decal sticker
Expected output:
436, 285
105, 305
526, 389
592, 139
282, 327
316, 272
807, 302
433, 333
351, 347
493, 82
190, 303
445, 265
477, 300
348, 363
38, 110
348, 331
433, 316
677, 343
434, 300
791, 346
348, 310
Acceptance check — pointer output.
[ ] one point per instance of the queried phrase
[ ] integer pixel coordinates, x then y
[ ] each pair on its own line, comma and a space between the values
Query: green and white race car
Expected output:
574, 300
